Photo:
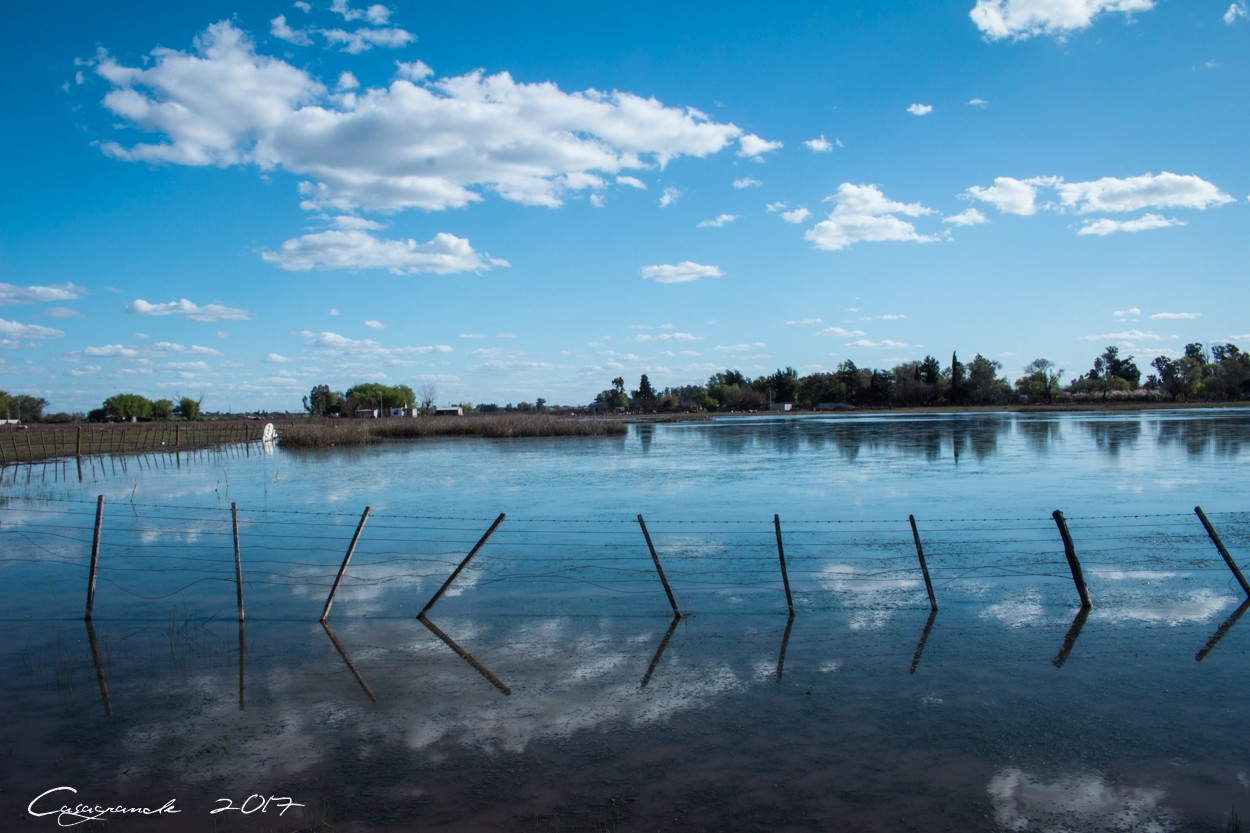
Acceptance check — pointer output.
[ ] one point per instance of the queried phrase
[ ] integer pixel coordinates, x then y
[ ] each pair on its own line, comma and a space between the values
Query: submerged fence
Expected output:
145, 552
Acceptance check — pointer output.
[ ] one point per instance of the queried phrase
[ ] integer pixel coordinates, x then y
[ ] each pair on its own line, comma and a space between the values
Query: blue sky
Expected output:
512, 201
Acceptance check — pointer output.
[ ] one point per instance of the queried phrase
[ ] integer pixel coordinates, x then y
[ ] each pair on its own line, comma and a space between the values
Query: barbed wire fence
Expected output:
294, 563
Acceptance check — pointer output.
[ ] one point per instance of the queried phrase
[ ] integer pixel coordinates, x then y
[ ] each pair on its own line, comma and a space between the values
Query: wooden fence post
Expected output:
339, 579
1070, 550
95, 555
463, 564
781, 554
1219, 545
238, 560
924, 568
663, 579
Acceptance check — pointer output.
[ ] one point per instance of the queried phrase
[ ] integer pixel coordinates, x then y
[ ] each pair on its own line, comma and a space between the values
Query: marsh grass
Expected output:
326, 433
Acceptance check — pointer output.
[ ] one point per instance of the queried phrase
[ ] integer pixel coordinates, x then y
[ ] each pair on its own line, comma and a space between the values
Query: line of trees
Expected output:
22, 407
135, 406
1222, 374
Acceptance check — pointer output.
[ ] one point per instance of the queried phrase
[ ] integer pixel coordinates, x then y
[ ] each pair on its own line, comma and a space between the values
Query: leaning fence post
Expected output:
924, 568
351, 549
658, 568
95, 555
1219, 545
463, 564
1070, 550
781, 554
238, 560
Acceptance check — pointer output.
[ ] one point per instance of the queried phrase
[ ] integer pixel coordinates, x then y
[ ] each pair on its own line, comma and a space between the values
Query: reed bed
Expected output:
326, 433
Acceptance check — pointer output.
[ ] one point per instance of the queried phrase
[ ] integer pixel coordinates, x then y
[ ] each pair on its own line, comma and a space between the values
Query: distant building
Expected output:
404, 412
455, 410
781, 406
366, 413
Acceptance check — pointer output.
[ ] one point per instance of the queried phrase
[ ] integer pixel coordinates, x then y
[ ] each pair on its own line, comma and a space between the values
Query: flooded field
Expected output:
552, 688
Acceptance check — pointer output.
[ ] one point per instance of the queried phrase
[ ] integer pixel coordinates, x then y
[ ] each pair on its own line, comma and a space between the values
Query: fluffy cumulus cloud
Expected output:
1165, 190
12, 294
419, 142
920, 109
796, 216
1022, 19
683, 272
187, 309
1236, 11
356, 249
1008, 195
862, 213
721, 221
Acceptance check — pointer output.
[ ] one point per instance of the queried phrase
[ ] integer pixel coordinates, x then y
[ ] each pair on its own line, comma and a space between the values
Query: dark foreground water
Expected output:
551, 688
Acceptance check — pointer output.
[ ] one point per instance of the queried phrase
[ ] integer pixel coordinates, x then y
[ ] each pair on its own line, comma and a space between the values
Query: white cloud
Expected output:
1109, 194
804, 322
863, 214
920, 109
821, 145
335, 313
1008, 195
1147, 222
885, 344
670, 196
187, 309
967, 217
740, 348
63, 312
840, 332
354, 250
433, 145
375, 325
645, 337
753, 147
1124, 335
1177, 316
1022, 19
1165, 190
683, 272
1122, 313
12, 294
413, 70
364, 39
631, 182
275, 358
746, 182
15, 329
1235, 11
720, 222
112, 351
796, 216
336, 345
978, 102
279, 28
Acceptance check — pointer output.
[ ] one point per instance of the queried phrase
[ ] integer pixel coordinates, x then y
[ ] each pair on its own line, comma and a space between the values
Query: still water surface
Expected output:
554, 690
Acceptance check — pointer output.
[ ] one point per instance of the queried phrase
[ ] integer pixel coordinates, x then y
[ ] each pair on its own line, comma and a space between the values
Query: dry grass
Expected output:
325, 433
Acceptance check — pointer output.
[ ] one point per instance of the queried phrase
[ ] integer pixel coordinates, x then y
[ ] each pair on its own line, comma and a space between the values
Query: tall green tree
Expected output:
321, 401
128, 406
188, 408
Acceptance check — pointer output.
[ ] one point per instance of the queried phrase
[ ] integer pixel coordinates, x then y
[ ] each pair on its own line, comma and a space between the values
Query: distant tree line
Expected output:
1223, 374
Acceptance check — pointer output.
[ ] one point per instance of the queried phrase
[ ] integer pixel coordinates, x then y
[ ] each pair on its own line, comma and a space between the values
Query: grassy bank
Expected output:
325, 433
